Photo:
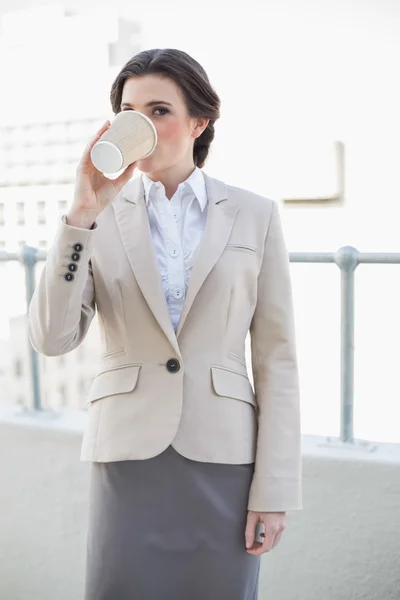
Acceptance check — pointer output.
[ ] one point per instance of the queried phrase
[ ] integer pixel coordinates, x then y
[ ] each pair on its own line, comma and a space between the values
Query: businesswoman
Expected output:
188, 462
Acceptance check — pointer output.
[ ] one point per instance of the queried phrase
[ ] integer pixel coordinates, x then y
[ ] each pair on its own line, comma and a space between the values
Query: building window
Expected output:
20, 213
41, 210
18, 368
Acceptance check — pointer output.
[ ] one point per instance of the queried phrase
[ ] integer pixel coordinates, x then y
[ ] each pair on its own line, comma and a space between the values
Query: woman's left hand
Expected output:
274, 525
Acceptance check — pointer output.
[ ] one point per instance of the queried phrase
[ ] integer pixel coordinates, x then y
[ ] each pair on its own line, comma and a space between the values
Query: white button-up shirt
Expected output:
176, 227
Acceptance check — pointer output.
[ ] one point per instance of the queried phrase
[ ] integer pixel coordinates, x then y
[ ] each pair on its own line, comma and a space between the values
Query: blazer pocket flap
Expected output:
232, 384
119, 380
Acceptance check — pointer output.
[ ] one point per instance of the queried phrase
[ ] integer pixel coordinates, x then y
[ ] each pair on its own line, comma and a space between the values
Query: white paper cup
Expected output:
130, 137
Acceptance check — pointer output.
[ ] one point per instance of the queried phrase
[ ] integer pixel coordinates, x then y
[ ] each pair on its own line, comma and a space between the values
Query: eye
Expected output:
164, 111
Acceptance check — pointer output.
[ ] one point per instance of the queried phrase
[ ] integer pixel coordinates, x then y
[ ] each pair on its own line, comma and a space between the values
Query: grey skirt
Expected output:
169, 528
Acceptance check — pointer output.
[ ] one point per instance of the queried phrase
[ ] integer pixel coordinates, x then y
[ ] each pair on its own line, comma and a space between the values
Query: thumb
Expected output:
250, 533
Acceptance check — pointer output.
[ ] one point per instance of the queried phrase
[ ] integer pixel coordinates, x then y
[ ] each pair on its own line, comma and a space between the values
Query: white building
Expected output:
46, 120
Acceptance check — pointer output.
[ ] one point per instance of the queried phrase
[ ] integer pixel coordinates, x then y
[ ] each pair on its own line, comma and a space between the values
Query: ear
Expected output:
200, 125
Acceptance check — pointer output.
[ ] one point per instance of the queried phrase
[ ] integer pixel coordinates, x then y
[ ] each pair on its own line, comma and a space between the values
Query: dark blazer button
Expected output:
78, 247
73, 267
75, 256
69, 277
173, 365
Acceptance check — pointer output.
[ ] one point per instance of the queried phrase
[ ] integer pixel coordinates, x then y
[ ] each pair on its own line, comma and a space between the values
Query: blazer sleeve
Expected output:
276, 484
61, 308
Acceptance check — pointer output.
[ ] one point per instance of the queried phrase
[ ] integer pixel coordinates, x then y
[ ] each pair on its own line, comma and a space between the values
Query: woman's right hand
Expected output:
94, 191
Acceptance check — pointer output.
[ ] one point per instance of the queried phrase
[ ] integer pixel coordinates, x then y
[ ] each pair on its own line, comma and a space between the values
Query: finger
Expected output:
277, 539
124, 177
250, 532
95, 139
260, 547
98, 134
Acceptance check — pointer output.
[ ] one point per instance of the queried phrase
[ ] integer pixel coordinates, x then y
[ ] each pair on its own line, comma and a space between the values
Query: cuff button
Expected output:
78, 247
69, 277
75, 256
73, 267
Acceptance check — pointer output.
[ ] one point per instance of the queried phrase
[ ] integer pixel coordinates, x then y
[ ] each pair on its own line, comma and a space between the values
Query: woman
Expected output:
186, 459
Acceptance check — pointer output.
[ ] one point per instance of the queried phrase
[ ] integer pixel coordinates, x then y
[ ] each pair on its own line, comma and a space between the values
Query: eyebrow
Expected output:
151, 103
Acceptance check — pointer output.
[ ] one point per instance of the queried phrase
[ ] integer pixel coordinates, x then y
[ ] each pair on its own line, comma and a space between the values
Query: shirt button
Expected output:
173, 365
177, 293
174, 252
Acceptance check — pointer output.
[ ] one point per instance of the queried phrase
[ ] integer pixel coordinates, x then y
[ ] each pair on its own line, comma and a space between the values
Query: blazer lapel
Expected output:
220, 219
133, 223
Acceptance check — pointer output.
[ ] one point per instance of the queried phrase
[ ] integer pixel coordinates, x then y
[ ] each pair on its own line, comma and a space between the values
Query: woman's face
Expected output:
160, 99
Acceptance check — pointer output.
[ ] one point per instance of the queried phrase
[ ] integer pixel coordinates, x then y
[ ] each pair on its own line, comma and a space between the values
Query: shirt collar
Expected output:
195, 181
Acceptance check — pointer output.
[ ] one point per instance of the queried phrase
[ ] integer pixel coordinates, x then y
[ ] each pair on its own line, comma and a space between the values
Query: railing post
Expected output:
29, 258
347, 259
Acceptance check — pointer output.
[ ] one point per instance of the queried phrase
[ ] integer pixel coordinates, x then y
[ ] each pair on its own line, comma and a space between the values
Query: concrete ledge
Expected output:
344, 545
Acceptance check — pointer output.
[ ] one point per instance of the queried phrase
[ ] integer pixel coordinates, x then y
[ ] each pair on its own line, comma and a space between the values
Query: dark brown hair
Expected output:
201, 99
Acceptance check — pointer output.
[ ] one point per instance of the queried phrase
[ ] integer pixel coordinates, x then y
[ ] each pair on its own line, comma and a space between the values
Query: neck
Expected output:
173, 176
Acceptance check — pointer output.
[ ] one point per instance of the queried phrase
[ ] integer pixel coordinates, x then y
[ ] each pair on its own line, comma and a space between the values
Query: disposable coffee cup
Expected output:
130, 137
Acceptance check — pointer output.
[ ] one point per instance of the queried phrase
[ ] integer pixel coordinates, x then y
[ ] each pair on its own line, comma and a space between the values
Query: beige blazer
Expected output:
190, 389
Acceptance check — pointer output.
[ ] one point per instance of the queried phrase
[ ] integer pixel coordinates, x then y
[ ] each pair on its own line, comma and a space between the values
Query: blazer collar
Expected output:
133, 224
195, 184
134, 190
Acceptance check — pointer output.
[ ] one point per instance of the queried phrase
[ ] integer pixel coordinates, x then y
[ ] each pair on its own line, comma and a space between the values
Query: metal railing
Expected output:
346, 258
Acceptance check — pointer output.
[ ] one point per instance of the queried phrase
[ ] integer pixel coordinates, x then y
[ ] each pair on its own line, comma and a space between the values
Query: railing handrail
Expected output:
295, 257
346, 258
